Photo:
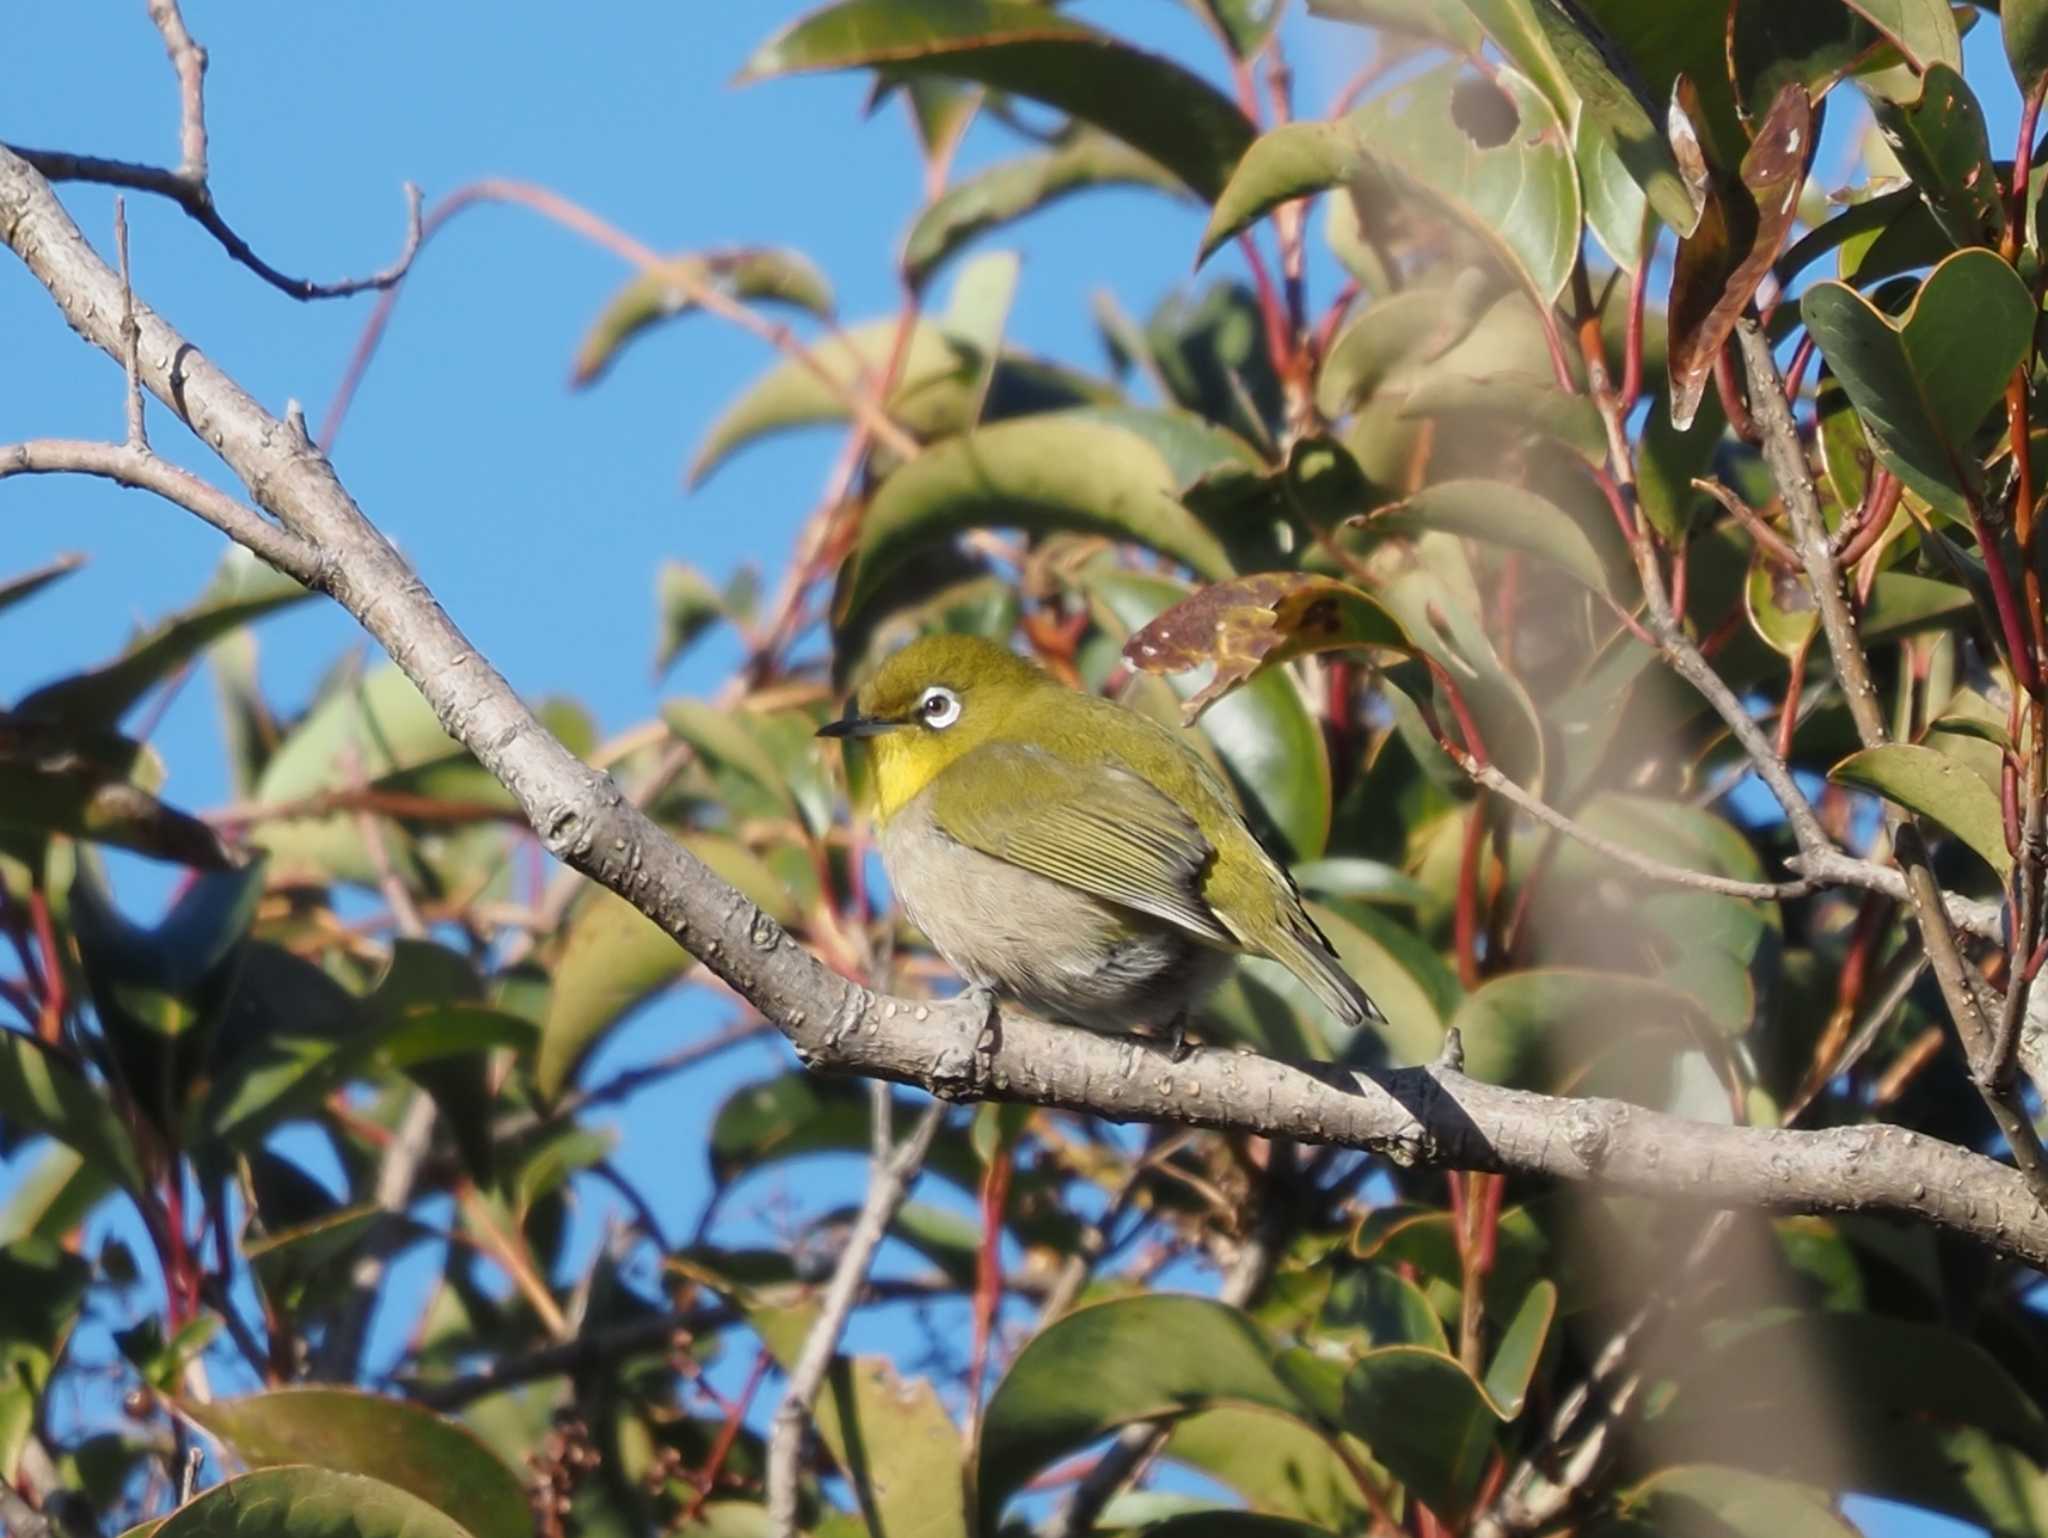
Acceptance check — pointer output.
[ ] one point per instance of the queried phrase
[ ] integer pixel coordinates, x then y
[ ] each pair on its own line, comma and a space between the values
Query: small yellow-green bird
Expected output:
1068, 853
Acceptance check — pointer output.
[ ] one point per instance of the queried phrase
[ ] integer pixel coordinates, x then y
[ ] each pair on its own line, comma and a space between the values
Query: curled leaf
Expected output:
670, 288
1256, 622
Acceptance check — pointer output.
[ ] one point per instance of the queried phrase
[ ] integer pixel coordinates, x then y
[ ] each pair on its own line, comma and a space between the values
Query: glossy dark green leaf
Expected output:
1042, 473
1935, 786
1493, 152
669, 288
303, 1502
784, 1117
1149, 102
1496, 513
1012, 189
1103, 1367
348, 1432
14, 590
1427, 1422
1615, 100
1770, 44
1924, 384
1729, 253
1942, 144
244, 590
93, 784
1286, 1472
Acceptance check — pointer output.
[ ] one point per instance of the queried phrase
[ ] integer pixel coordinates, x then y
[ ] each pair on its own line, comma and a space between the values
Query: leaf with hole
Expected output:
1932, 785
1924, 383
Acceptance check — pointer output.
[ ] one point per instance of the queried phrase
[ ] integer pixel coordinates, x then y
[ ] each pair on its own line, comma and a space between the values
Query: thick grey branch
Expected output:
1428, 1115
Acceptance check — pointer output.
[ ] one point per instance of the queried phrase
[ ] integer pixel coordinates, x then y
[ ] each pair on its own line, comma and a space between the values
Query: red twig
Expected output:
988, 1274
50, 1027
1632, 347
706, 1478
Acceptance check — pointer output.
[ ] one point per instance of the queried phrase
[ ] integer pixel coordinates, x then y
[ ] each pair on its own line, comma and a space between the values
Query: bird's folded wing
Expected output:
1090, 826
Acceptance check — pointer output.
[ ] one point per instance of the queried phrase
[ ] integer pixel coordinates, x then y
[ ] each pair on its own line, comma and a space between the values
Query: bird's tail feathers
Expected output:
1309, 956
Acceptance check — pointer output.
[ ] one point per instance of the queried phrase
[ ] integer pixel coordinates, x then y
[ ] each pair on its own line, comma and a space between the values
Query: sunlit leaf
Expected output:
1149, 102
1012, 189
1103, 1367
349, 1432
669, 288
1744, 226
1780, 604
299, 1502
1924, 384
614, 959
1934, 786
1499, 514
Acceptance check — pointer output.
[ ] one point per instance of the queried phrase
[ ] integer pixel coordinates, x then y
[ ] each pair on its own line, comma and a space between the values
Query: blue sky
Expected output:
539, 516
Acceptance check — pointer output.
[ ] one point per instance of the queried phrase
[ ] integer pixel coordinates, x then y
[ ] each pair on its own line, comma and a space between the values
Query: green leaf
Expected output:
1923, 31
1402, 974
348, 1432
1413, 327
1730, 251
1493, 152
300, 1502
1521, 1350
785, 1117
1617, 103
14, 590
1617, 212
665, 290
41, 1092
902, 1451
723, 737
1942, 144
1011, 189
1453, 25
243, 590
1537, 405
1271, 747
93, 784
688, 605
1041, 473
614, 959
1536, 1029
1282, 1468
1427, 1422
1224, 1523
1924, 385
1103, 1367
1901, 603
1149, 102
1736, 1502
1496, 513
2024, 24
1780, 605
1932, 785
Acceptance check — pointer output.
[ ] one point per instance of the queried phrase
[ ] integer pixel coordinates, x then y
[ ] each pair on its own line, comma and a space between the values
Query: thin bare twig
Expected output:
1750, 519
888, 1184
131, 333
1643, 865
144, 471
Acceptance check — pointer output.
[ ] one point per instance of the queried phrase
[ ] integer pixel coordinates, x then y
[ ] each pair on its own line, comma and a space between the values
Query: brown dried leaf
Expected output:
1256, 622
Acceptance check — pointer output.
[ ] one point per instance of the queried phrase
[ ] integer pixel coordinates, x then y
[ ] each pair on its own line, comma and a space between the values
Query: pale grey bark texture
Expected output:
1432, 1115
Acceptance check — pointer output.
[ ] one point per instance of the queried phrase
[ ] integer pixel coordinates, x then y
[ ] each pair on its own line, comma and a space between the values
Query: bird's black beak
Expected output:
851, 725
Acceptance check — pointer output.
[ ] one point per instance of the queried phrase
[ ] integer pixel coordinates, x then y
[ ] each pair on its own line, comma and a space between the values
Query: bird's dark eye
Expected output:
939, 708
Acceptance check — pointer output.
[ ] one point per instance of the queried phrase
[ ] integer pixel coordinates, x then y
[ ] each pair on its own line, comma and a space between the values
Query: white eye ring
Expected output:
938, 708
